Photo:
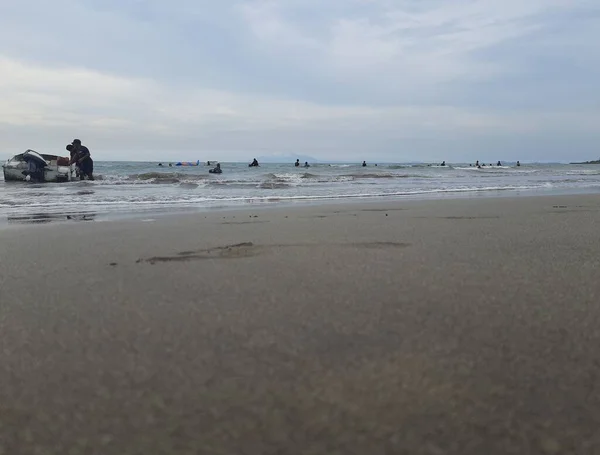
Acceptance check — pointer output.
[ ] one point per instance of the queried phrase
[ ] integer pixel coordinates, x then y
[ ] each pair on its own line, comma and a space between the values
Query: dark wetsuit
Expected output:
86, 165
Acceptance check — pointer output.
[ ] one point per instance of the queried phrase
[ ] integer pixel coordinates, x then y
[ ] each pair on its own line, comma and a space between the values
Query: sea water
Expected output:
133, 188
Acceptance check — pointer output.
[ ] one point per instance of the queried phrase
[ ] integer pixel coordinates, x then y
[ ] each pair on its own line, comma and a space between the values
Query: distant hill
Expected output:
589, 162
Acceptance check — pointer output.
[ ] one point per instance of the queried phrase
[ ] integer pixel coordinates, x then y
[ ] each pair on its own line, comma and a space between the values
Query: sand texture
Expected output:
463, 327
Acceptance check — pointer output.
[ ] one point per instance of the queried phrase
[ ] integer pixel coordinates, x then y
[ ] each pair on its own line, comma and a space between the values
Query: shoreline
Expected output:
41, 218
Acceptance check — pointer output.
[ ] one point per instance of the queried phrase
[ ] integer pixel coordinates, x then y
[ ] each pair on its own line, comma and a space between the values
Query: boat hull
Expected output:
15, 167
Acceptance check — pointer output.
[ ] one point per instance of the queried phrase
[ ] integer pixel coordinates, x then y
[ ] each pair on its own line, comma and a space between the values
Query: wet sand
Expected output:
435, 327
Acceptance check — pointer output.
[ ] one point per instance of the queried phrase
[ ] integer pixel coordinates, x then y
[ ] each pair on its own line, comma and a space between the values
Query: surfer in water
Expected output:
254, 163
216, 170
364, 164
297, 163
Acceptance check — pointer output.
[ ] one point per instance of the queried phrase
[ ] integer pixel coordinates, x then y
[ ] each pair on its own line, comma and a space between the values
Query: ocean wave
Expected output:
150, 178
139, 187
245, 185
415, 166
188, 185
497, 170
286, 177
149, 201
584, 172
274, 185
371, 176
358, 176
156, 176
166, 181
231, 184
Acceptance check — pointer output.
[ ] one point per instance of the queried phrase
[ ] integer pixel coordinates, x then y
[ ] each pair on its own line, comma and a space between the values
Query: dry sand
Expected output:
437, 327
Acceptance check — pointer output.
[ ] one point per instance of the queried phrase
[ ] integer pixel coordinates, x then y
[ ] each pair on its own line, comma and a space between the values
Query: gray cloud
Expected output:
380, 79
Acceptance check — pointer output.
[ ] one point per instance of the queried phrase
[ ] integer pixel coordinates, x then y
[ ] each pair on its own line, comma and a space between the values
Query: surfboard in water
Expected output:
187, 163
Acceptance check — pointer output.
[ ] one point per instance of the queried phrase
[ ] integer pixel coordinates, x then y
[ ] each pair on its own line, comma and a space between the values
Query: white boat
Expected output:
35, 166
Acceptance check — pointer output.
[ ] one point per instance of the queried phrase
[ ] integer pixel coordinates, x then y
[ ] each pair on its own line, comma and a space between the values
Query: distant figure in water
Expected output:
499, 164
443, 163
364, 164
477, 163
170, 164
160, 164
518, 163
216, 170
306, 164
297, 163
254, 163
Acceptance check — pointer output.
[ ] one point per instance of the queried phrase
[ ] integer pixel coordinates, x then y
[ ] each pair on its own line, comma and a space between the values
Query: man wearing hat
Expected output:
81, 156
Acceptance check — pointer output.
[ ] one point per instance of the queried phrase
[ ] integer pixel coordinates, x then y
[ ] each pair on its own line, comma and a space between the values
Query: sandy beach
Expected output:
404, 327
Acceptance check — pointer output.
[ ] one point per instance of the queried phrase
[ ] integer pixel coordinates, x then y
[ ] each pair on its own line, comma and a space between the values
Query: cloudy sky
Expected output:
393, 80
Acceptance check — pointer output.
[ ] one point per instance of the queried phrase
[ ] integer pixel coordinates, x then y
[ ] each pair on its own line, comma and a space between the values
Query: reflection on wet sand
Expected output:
40, 218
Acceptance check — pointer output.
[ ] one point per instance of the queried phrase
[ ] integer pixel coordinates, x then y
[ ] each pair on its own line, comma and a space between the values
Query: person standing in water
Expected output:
297, 163
364, 164
83, 159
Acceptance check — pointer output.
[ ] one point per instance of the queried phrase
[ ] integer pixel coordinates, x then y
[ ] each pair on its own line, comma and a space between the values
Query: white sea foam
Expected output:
130, 187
